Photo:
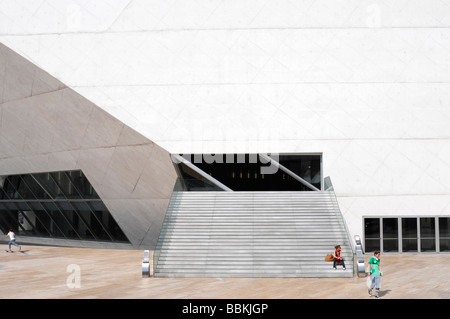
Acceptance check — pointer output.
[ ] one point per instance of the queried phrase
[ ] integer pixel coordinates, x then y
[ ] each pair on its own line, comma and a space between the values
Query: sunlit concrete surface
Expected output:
72, 273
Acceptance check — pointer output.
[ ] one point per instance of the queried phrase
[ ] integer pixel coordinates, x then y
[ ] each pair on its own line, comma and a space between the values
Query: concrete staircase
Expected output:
251, 234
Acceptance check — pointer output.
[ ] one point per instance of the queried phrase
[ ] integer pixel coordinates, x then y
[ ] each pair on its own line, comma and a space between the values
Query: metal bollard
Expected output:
146, 264
359, 257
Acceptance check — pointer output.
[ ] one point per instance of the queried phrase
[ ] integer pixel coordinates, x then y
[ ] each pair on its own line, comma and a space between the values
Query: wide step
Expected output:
251, 234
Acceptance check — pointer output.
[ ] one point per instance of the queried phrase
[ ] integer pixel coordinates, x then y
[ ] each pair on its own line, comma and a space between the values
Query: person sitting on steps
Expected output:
337, 258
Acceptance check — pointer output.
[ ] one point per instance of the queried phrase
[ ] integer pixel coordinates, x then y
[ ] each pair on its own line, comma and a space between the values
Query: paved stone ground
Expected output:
40, 272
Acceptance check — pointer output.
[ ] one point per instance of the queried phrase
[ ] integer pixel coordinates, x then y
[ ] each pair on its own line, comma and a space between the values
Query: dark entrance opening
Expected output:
250, 172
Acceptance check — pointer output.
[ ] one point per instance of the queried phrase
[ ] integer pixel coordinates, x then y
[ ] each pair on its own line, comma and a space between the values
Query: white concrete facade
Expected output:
363, 82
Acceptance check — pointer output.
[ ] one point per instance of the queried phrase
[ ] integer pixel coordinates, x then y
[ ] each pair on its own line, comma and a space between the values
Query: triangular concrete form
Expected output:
46, 126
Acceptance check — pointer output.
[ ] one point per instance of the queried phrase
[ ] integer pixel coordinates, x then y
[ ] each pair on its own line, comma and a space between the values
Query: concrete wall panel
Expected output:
364, 83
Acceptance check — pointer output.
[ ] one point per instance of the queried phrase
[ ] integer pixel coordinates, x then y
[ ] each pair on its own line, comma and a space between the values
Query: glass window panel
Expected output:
97, 205
76, 230
390, 234
14, 184
427, 234
49, 206
93, 194
97, 225
65, 185
82, 184
65, 205
22, 205
41, 223
8, 220
64, 229
27, 221
85, 225
444, 227
372, 245
390, 228
409, 227
49, 185
94, 220
23, 189
34, 205
409, 245
372, 227
427, 229
80, 220
107, 221
36, 222
409, 234
10, 189
10, 206
444, 233
35, 188
74, 178
427, 245
84, 213
46, 211
3, 194
372, 234
390, 245
444, 244
6, 193
114, 230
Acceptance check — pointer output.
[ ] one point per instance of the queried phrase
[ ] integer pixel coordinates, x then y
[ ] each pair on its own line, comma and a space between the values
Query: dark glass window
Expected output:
372, 234
409, 234
250, 172
57, 205
192, 181
36, 191
47, 182
427, 234
444, 233
390, 234
417, 234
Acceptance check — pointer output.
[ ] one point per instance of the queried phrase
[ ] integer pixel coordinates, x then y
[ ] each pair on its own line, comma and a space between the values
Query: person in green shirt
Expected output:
375, 273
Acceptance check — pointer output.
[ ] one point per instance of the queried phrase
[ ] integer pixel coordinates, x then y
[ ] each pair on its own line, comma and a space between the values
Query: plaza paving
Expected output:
42, 272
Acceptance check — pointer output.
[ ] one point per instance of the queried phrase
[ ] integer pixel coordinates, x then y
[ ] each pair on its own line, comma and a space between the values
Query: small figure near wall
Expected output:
12, 240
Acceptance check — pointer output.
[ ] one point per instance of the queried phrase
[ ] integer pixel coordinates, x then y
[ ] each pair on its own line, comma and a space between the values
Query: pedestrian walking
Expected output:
375, 273
12, 240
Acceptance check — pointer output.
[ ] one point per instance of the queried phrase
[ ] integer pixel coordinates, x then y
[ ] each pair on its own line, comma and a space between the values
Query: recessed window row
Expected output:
60, 205
407, 234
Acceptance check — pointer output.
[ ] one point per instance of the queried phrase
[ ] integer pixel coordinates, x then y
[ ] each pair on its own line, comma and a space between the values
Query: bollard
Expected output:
146, 264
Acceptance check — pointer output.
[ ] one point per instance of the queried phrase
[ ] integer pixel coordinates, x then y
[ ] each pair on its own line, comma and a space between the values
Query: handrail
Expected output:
161, 236
179, 159
360, 269
329, 187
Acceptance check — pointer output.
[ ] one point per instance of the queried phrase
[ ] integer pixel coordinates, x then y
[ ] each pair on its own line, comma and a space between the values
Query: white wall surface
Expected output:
364, 82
